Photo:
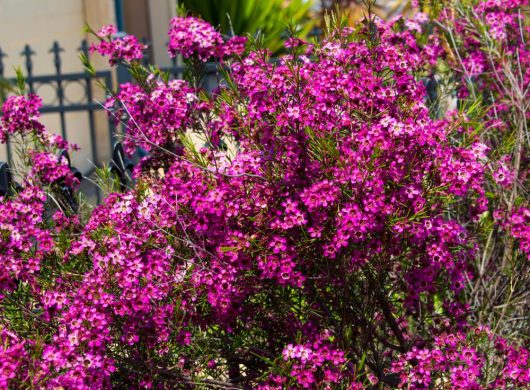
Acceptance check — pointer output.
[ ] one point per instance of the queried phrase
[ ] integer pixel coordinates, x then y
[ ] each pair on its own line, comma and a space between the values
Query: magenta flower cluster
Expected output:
117, 48
314, 364
331, 245
157, 116
20, 116
194, 38
25, 241
463, 357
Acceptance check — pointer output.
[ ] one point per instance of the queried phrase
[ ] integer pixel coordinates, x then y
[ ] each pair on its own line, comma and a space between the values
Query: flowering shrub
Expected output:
334, 245
491, 58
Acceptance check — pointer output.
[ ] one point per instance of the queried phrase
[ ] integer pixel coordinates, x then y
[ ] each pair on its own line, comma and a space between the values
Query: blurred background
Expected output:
45, 38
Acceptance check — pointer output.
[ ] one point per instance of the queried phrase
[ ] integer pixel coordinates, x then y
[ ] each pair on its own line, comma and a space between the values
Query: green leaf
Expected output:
21, 81
225, 249
87, 65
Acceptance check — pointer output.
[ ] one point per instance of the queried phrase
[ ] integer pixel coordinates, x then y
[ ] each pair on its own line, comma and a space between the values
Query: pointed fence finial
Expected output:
27, 53
56, 49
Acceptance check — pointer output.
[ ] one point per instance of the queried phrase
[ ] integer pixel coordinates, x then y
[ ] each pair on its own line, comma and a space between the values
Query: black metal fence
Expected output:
61, 104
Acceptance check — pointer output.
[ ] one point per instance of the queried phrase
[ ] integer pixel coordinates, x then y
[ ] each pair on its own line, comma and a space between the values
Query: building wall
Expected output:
40, 22
160, 13
150, 19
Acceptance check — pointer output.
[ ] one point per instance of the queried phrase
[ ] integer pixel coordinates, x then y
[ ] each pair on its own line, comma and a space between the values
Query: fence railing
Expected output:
120, 166
62, 104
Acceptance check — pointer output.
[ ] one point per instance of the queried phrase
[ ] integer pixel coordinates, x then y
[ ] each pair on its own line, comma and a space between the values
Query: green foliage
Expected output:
21, 81
106, 180
268, 18
5, 87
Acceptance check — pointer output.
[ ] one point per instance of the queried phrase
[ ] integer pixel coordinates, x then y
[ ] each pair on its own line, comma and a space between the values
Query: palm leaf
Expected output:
268, 17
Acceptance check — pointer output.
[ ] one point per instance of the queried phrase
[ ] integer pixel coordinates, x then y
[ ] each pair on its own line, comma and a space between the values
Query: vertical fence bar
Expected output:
89, 98
27, 53
56, 50
175, 70
8, 144
91, 121
2, 56
112, 127
147, 54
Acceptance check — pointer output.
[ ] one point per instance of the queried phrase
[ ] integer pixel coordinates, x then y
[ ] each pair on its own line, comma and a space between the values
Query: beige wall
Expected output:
39, 23
160, 12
